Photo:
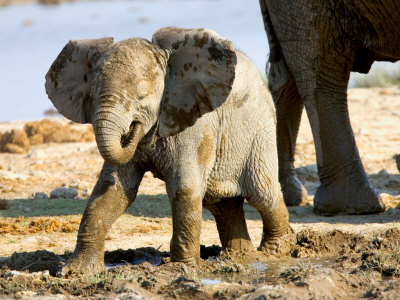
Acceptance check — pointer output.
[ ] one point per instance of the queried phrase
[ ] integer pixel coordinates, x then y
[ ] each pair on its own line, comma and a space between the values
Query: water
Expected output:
271, 272
32, 35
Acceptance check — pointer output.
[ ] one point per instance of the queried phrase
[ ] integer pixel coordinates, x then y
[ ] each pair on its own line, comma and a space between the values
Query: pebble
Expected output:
64, 192
307, 170
40, 196
303, 210
4, 204
85, 193
384, 173
392, 211
37, 154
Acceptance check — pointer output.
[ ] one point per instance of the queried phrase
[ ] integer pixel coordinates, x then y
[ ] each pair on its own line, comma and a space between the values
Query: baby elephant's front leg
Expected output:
186, 222
108, 201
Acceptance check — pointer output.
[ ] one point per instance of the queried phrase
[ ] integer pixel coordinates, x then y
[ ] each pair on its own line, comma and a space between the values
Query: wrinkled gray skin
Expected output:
189, 108
314, 45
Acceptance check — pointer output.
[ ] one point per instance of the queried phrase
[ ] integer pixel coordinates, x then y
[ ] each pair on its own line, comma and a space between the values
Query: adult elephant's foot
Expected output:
84, 263
347, 196
293, 191
279, 245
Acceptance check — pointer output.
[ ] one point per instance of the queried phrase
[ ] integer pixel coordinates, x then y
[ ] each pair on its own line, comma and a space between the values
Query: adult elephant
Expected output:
314, 45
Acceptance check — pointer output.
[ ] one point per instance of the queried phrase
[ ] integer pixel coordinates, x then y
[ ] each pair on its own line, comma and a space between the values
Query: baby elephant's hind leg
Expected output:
278, 237
231, 224
265, 195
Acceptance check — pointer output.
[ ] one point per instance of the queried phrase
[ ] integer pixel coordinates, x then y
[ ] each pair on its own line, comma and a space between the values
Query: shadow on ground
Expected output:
157, 206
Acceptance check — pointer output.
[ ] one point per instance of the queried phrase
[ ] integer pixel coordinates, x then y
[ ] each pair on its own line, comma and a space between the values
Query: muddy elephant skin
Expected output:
192, 110
314, 45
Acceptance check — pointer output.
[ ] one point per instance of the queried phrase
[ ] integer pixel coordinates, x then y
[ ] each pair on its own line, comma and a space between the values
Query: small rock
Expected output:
307, 170
146, 284
40, 196
392, 211
85, 193
36, 154
64, 192
303, 210
397, 158
4, 204
12, 273
26, 209
384, 173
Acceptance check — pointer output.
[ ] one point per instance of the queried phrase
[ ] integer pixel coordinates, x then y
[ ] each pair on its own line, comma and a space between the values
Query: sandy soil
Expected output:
335, 257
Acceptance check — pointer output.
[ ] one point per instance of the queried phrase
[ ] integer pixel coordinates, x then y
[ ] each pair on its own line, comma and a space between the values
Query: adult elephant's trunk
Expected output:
116, 144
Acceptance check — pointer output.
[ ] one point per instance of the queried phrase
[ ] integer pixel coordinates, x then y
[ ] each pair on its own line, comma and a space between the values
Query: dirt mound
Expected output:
43, 131
14, 141
47, 131
314, 243
22, 226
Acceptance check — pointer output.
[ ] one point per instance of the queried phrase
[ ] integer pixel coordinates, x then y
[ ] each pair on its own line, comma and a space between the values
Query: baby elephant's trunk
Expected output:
116, 146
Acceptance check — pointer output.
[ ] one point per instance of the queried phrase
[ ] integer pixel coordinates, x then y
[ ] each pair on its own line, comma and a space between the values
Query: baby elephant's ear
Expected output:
199, 77
68, 79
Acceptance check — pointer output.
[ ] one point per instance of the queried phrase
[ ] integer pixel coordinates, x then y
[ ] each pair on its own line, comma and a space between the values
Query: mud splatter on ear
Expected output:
199, 77
69, 77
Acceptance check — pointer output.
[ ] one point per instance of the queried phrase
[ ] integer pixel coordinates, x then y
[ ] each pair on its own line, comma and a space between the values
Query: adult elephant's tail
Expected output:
274, 47
278, 70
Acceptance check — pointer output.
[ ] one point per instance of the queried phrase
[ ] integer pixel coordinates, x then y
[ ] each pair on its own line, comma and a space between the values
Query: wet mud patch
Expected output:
340, 263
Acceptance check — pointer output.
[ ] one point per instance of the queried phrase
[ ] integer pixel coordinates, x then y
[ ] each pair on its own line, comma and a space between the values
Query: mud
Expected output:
342, 259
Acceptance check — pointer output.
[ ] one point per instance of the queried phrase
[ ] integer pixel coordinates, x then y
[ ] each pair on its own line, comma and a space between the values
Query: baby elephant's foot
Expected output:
279, 245
87, 263
191, 261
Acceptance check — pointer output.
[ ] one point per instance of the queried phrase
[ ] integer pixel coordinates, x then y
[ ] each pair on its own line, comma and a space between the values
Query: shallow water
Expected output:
32, 35
269, 272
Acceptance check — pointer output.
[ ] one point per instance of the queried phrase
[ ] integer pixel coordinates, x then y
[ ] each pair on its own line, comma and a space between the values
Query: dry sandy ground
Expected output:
362, 259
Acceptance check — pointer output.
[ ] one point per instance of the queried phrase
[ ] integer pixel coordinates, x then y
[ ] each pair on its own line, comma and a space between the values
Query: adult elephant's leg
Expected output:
231, 224
344, 185
115, 190
289, 106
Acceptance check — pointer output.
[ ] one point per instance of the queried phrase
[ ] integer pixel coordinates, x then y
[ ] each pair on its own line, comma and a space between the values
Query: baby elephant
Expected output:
192, 110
